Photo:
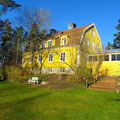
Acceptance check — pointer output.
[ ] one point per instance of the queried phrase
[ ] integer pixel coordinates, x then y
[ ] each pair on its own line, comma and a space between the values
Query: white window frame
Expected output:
92, 32
60, 57
41, 58
62, 40
52, 58
92, 45
87, 41
48, 42
115, 56
97, 47
42, 45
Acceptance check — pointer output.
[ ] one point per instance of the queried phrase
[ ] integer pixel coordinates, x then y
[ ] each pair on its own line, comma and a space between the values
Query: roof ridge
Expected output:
77, 28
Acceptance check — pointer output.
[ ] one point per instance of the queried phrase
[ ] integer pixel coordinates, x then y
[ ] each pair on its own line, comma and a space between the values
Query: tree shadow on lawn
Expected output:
23, 101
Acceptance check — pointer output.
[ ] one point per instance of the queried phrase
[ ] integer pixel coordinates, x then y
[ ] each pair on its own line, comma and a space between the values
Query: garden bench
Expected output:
33, 80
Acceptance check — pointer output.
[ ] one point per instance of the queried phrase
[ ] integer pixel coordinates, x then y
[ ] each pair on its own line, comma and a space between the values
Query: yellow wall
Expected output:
113, 67
94, 38
87, 49
71, 54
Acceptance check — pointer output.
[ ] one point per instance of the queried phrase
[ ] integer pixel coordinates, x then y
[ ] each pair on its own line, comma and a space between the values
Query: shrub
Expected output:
16, 74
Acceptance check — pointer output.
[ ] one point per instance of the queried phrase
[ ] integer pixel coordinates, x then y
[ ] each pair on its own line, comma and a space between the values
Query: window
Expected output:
43, 45
115, 57
92, 32
106, 57
62, 69
97, 48
62, 56
49, 43
87, 41
30, 59
39, 58
50, 69
94, 58
50, 57
118, 56
63, 41
92, 45
90, 59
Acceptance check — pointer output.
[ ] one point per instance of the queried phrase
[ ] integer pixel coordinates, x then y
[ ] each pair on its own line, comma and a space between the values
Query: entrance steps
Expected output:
105, 84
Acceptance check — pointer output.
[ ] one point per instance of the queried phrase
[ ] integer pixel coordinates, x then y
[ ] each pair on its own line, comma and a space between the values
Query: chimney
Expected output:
71, 26
52, 31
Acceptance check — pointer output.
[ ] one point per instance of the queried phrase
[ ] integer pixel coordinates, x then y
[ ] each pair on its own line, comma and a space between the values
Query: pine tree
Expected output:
7, 5
109, 46
18, 45
6, 43
116, 42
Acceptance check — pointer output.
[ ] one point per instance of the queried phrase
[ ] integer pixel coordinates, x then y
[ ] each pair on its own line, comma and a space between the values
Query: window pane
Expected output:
113, 57
39, 58
97, 48
92, 32
118, 56
43, 45
92, 45
87, 41
62, 57
90, 59
62, 69
50, 43
106, 57
94, 58
50, 59
63, 41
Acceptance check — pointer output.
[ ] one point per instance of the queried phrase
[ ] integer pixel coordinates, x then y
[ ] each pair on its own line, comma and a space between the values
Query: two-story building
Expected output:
63, 52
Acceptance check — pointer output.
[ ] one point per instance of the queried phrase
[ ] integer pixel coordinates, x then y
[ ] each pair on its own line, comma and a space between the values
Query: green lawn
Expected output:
20, 102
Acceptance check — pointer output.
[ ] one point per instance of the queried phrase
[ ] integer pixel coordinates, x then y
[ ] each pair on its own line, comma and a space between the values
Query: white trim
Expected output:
62, 41
60, 57
47, 43
57, 36
87, 42
92, 45
48, 57
92, 25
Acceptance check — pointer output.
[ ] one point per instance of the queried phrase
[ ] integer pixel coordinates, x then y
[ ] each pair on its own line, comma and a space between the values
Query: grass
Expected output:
20, 102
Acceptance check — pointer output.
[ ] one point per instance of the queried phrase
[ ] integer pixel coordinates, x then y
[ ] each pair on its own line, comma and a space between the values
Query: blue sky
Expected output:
104, 13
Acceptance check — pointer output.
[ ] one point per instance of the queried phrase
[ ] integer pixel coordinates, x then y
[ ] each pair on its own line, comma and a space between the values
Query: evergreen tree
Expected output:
116, 42
6, 5
6, 42
18, 45
109, 46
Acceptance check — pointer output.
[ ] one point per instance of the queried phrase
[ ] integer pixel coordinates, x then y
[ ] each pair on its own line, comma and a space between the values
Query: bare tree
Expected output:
29, 16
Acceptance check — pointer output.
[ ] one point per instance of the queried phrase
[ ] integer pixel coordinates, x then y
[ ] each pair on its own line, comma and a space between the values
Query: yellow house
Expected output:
64, 51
